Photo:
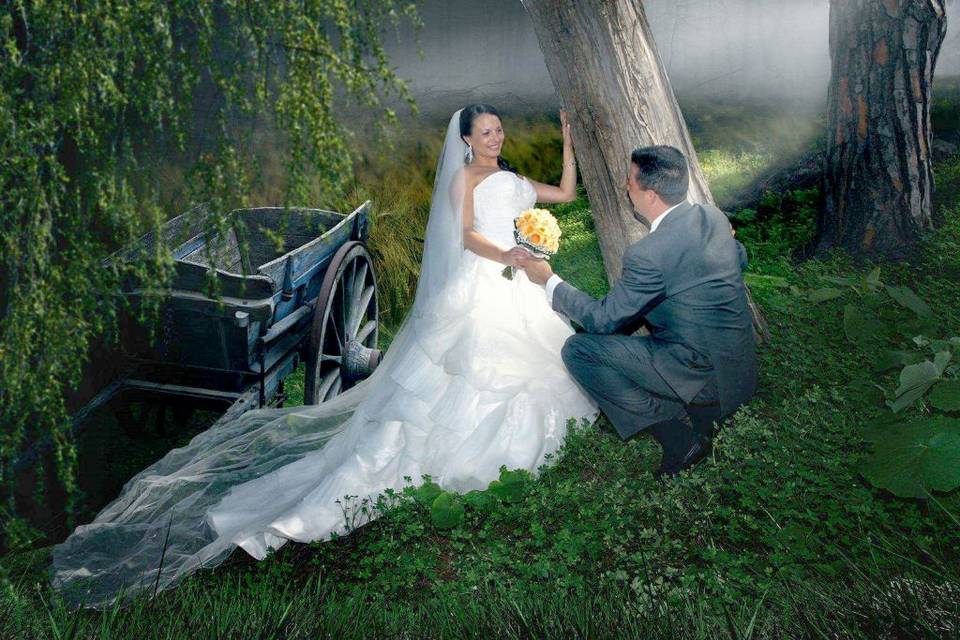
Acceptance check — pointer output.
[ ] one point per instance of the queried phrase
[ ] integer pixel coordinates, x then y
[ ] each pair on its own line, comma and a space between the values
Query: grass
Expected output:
776, 535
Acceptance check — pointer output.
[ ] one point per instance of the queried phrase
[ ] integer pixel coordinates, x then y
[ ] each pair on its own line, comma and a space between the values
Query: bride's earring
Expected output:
468, 156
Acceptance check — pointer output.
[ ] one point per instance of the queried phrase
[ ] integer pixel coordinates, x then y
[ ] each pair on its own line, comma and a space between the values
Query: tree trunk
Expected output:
605, 67
878, 177
608, 74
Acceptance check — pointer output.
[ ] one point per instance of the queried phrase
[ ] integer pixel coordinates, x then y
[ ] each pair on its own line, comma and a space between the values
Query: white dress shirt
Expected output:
555, 279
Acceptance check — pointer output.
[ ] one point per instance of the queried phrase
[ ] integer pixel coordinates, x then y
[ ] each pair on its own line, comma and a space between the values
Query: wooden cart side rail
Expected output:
193, 277
261, 309
319, 249
174, 232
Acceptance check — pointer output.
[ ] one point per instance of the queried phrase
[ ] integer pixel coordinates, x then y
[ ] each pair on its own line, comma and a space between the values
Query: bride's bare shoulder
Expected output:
473, 175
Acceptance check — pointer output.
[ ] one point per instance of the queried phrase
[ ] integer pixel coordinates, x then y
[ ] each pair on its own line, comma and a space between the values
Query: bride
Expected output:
472, 381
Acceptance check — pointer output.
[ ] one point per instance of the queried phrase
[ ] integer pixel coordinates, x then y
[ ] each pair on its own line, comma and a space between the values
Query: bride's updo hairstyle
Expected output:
469, 114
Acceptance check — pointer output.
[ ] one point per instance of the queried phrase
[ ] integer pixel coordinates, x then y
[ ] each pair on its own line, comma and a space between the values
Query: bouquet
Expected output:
537, 231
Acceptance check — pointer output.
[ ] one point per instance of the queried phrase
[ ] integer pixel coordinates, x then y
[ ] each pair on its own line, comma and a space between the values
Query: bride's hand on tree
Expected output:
565, 129
568, 180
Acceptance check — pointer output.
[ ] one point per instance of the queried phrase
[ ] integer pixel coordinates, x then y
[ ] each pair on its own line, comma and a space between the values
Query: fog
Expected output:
771, 50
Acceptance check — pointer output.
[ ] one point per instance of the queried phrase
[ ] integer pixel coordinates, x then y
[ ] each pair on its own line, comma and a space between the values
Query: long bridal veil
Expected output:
160, 527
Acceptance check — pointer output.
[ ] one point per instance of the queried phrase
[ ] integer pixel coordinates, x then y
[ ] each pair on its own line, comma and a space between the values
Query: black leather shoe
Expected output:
705, 418
697, 452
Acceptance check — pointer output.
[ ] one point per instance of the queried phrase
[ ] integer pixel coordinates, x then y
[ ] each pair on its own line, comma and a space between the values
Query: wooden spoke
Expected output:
337, 330
361, 280
334, 389
326, 357
367, 329
330, 379
341, 311
359, 309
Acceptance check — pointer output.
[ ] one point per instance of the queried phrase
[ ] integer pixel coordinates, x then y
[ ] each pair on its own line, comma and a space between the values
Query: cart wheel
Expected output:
345, 328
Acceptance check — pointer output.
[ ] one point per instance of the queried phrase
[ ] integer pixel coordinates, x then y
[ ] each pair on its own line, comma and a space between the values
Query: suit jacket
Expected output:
685, 281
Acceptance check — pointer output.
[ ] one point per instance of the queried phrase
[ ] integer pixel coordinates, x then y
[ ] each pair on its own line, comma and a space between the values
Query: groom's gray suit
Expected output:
684, 282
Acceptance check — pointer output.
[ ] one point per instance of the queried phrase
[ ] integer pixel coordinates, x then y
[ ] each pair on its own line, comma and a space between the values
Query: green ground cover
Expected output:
776, 535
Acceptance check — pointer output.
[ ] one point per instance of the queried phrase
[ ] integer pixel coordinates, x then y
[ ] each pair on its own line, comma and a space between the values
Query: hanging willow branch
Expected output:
93, 96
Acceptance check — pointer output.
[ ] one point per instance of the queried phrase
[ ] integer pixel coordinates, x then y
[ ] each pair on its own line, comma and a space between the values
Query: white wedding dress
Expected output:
472, 382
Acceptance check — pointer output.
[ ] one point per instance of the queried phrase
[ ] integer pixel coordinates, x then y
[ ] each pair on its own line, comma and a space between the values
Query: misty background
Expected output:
763, 50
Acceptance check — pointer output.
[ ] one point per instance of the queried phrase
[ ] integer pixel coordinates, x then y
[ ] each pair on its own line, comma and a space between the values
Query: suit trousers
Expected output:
618, 372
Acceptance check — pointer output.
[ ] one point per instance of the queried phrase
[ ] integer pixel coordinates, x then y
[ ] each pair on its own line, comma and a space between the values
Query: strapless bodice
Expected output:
497, 201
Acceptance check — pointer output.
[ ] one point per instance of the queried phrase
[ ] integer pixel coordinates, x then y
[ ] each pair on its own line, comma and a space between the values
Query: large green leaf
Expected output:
446, 512
862, 326
822, 295
920, 457
872, 279
905, 297
896, 359
426, 493
915, 325
853, 322
914, 382
757, 280
880, 428
946, 395
941, 360
937, 346
843, 282
480, 500
865, 391
511, 486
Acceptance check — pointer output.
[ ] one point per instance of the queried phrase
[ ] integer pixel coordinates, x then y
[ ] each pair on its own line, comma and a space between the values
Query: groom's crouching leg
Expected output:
618, 375
576, 352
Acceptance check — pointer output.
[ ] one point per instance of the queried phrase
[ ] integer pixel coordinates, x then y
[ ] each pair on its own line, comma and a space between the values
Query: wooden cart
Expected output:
248, 304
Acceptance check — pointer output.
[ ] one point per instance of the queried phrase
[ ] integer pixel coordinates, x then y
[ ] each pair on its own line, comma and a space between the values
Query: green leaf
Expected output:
842, 282
895, 359
918, 326
872, 280
853, 321
862, 326
446, 512
757, 280
920, 457
905, 297
426, 493
480, 501
941, 345
880, 428
914, 382
511, 486
822, 295
941, 360
865, 391
946, 395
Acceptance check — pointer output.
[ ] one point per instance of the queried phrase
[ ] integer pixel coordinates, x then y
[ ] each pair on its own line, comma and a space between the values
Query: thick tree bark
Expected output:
608, 74
606, 69
878, 178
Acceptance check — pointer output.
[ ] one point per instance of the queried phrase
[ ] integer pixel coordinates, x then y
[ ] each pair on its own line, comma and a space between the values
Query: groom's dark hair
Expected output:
663, 170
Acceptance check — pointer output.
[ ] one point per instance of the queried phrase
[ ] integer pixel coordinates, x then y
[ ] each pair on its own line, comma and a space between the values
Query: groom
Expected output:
684, 282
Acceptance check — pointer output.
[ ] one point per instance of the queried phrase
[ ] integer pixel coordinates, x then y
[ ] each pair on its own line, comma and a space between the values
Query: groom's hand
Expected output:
537, 270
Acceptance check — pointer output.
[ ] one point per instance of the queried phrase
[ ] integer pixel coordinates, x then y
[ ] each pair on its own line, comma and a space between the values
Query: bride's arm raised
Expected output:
567, 191
476, 242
